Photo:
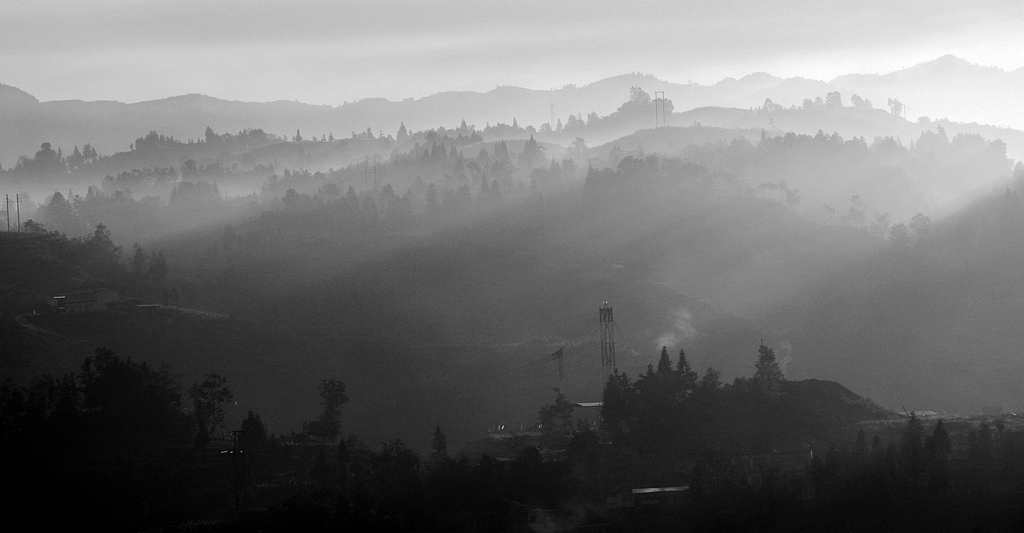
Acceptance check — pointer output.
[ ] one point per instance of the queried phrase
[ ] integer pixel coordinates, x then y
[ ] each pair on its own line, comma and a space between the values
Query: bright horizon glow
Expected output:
329, 53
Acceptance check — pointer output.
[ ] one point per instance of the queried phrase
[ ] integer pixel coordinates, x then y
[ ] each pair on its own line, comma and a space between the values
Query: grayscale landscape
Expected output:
455, 266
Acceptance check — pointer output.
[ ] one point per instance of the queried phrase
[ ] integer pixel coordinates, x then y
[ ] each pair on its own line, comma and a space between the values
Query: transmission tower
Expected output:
659, 109
607, 336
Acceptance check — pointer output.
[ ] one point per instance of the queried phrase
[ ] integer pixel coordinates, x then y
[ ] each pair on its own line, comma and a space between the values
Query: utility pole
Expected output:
7, 209
240, 476
607, 336
17, 202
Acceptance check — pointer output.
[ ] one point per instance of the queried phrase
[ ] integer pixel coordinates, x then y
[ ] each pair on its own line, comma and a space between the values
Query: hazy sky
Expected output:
330, 52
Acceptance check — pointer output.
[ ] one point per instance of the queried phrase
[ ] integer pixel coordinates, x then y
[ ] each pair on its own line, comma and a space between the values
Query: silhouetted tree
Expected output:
858, 101
921, 225
912, 451
556, 418
637, 94
439, 443
432, 204
710, 383
895, 107
396, 478
768, 376
899, 235
936, 449
328, 425
686, 376
255, 431
128, 397
861, 447
138, 260
620, 404
208, 398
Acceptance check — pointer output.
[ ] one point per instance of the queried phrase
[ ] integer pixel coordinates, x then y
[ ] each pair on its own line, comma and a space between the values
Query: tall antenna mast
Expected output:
607, 336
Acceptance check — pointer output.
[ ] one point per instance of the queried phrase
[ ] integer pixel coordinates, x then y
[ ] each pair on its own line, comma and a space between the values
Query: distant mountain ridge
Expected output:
946, 87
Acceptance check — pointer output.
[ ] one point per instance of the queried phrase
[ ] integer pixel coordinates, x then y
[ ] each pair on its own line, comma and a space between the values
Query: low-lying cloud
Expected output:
680, 330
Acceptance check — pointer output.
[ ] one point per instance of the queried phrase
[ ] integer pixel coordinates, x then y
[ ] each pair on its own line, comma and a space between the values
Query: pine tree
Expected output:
619, 407
138, 260
207, 400
862, 443
768, 375
432, 204
687, 377
941, 440
664, 363
332, 397
937, 451
557, 417
912, 450
440, 446
710, 383
255, 432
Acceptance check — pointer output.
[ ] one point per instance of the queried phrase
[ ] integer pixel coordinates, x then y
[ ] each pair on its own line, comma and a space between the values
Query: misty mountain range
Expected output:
947, 87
